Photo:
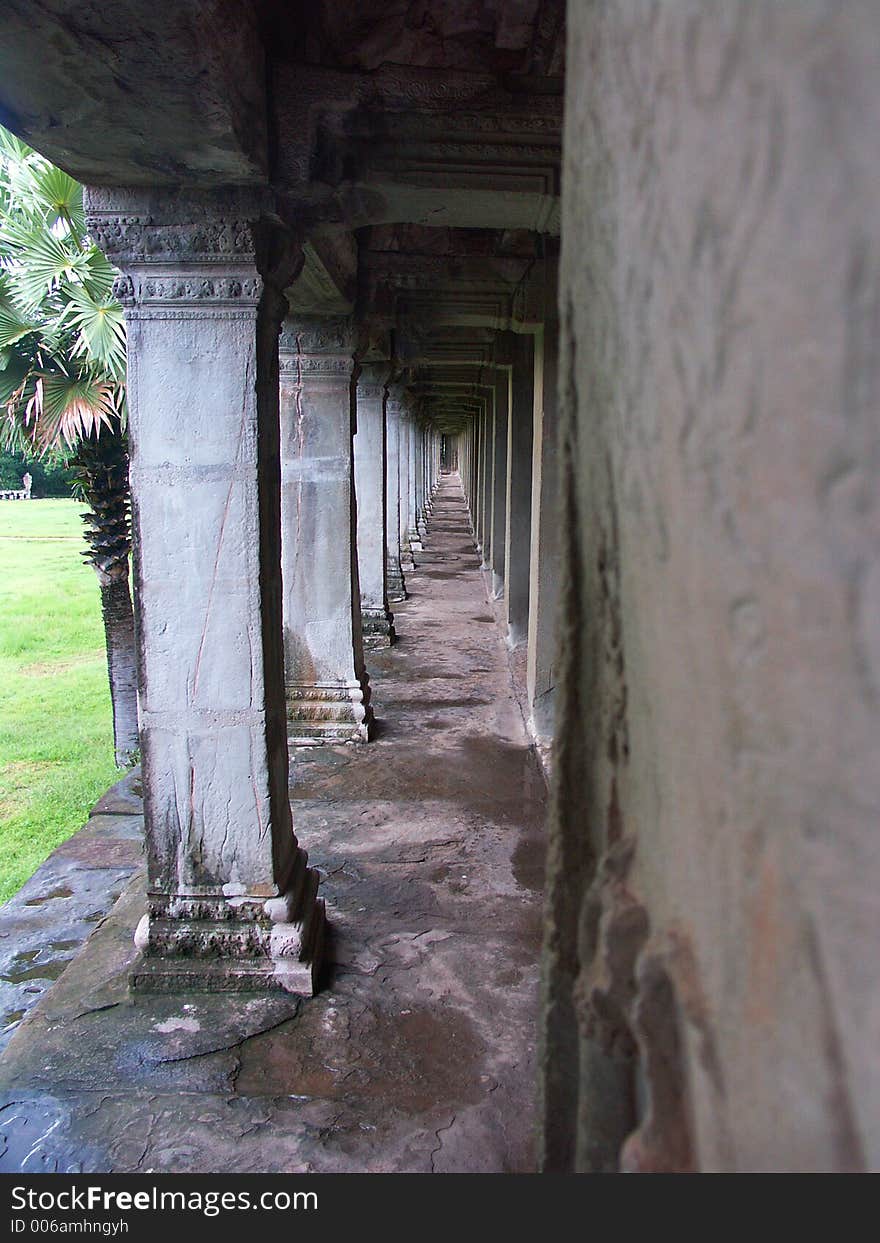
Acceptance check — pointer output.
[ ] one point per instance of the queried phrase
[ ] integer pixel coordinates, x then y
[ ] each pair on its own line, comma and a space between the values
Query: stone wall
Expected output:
711, 974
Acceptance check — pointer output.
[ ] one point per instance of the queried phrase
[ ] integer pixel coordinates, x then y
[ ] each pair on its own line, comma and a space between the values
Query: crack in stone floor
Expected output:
418, 1054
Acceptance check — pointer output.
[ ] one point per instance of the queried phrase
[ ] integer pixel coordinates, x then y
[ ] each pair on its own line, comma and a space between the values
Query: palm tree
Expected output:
62, 383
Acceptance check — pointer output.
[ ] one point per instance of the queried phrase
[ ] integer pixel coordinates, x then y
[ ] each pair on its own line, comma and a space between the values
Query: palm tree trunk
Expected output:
119, 637
101, 464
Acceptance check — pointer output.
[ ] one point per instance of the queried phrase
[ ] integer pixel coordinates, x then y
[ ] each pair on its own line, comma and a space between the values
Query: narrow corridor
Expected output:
418, 1054
430, 841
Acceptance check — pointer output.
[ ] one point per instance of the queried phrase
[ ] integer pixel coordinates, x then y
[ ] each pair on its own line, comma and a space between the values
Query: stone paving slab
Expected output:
418, 1054
48, 921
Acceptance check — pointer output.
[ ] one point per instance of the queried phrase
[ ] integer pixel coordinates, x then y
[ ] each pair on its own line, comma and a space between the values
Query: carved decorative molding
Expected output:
180, 250
144, 239
328, 366
321, 350
373, 378
196, 288
305, 337
310, 96
397, 398
147, 226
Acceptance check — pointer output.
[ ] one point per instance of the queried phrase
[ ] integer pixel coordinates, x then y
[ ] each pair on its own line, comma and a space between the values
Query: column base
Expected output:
395, 584
377, 627
415, 540
328, 712
218, 944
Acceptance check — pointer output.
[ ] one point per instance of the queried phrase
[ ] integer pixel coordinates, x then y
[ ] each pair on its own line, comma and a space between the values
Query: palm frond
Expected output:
62, 333
39, 261
13, 375
99, 274
61, 198
12, 148
68, 408
14, 325
101, 329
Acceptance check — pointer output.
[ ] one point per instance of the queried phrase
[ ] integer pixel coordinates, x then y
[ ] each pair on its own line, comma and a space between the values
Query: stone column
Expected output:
414, 531
369, 464
419, 454
405, 494
487, 419
231, 904
480, 481
477, 445
328, 698
396, 585
429, 469
499, 480
544, 571
426, 472
468, 471
477, 473
520, 433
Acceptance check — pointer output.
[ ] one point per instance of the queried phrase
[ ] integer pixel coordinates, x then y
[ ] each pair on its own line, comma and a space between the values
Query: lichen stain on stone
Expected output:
410, 1059
182, 1024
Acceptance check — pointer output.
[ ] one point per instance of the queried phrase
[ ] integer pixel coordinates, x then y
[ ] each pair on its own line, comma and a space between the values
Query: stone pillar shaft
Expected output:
487, 419
327, 688
414, 531
231, 903
544, 573
369, 460
479, 449
519, 490
405, 494
396, 586
498, 543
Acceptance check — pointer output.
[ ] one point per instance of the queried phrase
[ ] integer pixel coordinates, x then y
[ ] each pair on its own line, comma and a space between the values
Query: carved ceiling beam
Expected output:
375, 147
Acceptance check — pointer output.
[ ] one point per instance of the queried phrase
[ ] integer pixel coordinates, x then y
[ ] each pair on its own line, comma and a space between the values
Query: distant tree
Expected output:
62, 383
49, 479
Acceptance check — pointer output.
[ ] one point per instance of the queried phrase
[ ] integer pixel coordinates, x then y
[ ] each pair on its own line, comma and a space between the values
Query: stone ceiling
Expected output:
414, 146
504, 36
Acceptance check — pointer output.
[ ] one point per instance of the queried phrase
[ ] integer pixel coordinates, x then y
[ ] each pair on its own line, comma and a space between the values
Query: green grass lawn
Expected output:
56, 732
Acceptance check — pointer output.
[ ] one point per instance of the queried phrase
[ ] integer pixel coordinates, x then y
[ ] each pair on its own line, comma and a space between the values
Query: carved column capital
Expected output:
373, 379
408, 406
183, 253
398, 397
320, 349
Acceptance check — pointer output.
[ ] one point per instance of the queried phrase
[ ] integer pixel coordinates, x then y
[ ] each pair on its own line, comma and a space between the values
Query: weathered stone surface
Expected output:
78, 82
709, 998
405, 492
498, 511
518, 502
123, 799
544, 556
377, 622
222, 856
396, 585
419, 1055
410, 124
718, 699
44, 926
327, 688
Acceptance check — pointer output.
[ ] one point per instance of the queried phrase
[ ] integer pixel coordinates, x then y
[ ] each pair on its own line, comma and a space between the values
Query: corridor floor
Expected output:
418, 1054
